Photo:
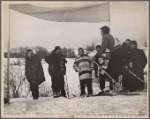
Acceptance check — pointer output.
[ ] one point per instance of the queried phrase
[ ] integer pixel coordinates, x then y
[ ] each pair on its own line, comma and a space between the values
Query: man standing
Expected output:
57, 70
83, 65
108, 42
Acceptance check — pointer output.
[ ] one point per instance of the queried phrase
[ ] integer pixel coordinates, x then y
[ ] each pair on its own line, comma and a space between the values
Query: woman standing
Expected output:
34, 72
137, 64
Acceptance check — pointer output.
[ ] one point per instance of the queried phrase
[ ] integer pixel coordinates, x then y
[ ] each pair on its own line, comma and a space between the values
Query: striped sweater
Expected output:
83, 65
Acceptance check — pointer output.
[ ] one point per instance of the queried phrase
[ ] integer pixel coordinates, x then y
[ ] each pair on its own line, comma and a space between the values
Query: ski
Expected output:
66, 88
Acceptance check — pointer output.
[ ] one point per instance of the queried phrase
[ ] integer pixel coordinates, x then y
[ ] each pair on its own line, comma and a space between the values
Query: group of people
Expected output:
57, 69
127, 63
116, 63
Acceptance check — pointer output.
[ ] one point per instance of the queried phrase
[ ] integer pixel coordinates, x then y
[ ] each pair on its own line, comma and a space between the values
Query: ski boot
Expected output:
102, 93
107, 90
56, 95
107, 86
83, 95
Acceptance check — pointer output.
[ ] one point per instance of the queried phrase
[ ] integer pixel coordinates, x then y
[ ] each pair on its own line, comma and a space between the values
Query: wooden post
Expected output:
8, 58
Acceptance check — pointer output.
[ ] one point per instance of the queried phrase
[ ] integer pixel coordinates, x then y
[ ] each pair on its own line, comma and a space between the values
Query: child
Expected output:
83, 65
103, 62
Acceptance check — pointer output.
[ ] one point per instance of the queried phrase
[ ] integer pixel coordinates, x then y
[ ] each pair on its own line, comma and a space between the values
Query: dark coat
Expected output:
119, 58
34, 70
138, 59
56, 64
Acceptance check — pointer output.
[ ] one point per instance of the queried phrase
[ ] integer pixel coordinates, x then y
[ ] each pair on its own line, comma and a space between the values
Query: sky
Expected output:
127, 20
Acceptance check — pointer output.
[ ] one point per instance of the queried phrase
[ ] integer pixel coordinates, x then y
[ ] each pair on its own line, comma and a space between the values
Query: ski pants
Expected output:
34, 89
84, 83
58, 84
102, 81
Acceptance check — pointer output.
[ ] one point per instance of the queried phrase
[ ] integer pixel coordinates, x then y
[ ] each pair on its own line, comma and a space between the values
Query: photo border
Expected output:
1, 55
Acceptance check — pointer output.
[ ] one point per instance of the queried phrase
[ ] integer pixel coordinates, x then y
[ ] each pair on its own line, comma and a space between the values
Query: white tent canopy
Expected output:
93, 13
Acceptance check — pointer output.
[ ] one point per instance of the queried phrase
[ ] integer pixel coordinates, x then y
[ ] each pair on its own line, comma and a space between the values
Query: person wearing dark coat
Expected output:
123, 60
119, 59
137, 63
57, 70
34, 72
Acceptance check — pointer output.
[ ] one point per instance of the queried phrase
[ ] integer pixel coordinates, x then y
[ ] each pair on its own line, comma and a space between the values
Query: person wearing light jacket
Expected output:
83, 64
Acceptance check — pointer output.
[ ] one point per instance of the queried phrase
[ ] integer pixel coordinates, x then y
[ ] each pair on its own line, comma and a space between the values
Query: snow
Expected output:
100, 106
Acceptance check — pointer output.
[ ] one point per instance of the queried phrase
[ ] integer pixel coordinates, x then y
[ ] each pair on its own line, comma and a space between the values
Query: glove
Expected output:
130, 64
77, 69
101, 61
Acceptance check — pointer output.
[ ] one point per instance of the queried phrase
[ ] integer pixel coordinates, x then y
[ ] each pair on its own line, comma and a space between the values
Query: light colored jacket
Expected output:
83, 65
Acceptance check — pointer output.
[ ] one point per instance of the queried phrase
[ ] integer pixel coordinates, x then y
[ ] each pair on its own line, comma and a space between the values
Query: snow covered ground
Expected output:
102, 106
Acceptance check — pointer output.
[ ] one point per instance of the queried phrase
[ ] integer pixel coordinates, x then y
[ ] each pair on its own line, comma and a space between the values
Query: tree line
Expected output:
19, 52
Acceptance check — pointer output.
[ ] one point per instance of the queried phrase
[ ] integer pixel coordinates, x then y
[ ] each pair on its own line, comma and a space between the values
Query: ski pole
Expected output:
105, 71
126, 68
27, 94
113, 81
66, 87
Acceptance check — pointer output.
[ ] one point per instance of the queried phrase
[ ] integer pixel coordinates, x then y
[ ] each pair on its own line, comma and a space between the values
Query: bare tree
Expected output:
17, 78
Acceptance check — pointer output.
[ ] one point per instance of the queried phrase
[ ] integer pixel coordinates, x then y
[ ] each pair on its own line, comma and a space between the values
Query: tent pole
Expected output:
8, 58
109, 15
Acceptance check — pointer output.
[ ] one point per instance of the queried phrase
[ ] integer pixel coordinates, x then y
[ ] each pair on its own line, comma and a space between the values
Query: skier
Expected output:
103, 62
57, 70
108, 42
83, 65
34, 72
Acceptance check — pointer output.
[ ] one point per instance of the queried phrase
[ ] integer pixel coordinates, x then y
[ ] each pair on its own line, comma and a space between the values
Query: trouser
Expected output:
95, 69
34, 89
58, 85
88, 83
125, 80
102, 81
114, 73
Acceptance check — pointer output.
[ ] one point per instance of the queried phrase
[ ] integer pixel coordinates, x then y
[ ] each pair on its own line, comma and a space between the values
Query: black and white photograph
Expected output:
75, 59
